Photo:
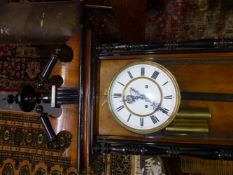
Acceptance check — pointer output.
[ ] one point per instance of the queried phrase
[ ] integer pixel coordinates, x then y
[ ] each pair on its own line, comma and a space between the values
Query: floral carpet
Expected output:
170, 20
19, 64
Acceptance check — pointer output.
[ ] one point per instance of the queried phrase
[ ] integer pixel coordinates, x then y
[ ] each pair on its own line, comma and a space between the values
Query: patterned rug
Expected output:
170, 20
175, 20
19, 64
121, 164
24, 147
192, 165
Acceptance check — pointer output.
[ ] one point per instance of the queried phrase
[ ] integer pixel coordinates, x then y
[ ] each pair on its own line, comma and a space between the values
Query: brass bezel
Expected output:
171, 117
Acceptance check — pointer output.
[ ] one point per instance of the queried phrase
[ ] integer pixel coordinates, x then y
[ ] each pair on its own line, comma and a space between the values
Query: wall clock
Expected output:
116, 87
144, 97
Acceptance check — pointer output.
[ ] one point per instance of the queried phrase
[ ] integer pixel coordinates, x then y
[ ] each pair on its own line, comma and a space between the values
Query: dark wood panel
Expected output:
87, 107
130, 16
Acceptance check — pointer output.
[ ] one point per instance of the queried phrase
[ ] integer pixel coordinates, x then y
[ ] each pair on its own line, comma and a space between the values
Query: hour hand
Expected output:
137, 94
130, 99
144, 97
154, 105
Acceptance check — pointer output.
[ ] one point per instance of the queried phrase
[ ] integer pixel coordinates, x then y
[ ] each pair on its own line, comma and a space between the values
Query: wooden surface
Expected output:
87, 107
194, 77
172, 166
130, 16
68, 120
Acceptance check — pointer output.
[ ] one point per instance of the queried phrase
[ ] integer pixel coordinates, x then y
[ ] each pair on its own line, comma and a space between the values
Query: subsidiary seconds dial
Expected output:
144, 97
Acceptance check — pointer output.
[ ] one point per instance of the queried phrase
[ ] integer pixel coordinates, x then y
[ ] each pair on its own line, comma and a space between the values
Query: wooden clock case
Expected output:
196, 70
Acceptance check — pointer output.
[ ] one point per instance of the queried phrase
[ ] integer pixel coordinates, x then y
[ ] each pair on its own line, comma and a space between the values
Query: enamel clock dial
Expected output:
144, 97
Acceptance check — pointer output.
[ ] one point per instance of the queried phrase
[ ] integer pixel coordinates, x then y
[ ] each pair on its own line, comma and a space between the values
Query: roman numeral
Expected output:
168, 97
165, 83
130, 75
154, 119
120, 108
142, 71
117, 95
141, 121
121, 83
164, 110
155, 75
129, 117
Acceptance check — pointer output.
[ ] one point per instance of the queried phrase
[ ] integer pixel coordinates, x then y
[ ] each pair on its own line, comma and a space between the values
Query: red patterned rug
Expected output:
19, 64
170, 20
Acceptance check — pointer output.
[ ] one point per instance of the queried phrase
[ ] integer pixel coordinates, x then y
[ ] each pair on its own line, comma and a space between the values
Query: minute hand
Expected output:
143, 97
139, 95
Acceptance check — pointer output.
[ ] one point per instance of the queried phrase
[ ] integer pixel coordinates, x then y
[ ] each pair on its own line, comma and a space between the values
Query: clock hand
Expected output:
143, 97
155, 105
138, 94
130, 99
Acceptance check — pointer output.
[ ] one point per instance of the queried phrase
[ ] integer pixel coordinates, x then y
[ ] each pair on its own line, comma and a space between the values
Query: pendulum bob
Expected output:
202, 114
190, 121
189, 128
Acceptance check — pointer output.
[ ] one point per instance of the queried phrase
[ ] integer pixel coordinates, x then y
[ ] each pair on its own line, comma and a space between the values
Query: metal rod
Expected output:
194, 113
47, 126
190, 128
67, 91
189, 122
65, 97
207, 96
97, 6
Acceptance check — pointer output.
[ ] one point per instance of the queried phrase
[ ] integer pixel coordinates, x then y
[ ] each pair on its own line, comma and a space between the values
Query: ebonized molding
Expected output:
195, 46
164, 149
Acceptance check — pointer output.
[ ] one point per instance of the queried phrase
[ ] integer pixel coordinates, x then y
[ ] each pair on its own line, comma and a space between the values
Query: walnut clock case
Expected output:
120, 116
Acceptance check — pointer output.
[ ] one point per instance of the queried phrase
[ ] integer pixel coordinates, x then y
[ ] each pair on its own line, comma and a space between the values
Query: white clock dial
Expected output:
144, 97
